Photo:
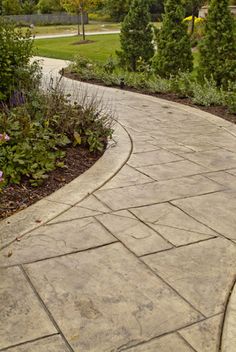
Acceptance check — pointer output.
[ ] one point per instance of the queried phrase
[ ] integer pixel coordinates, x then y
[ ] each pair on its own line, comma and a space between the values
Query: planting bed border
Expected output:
46, 209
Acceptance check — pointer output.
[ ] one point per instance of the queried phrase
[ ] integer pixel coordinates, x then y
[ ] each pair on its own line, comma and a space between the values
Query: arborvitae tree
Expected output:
173, 43
136, 36
218, 47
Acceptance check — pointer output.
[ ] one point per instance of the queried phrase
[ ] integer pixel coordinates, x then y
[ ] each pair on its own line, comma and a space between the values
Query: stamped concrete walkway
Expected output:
143, 263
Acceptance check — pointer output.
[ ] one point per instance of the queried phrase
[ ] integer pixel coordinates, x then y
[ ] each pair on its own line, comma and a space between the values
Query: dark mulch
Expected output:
81, 42
17, 197
220, 111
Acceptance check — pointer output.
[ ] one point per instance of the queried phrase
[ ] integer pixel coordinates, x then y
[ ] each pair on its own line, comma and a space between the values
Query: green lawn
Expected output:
101, 49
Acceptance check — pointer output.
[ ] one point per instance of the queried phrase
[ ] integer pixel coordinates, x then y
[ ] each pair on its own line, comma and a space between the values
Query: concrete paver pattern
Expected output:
146, 262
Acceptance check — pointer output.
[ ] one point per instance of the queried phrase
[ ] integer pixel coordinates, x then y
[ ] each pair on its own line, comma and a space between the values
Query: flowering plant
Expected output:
4, 137
197, 20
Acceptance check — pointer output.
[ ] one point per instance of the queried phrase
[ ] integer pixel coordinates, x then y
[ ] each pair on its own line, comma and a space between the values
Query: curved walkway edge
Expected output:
139, 253
229, 329
45, 210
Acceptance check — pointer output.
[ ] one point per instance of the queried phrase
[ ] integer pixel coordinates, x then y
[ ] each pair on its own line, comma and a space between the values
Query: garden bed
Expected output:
221, 111
81, 42
14, 198
46, 138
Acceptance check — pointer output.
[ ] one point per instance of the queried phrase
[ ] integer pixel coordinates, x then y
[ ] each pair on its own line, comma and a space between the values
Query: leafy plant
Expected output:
110, 65
33, 148
206, 93
42, 127
229, 98
16, 50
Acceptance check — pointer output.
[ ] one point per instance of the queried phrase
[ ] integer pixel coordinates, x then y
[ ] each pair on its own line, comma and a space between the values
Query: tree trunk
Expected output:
193, 21
82, 23
78, 24
133, 64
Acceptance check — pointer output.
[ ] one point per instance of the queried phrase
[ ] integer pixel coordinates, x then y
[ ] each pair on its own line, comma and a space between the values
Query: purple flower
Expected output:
17, 99
4, 137
1, 176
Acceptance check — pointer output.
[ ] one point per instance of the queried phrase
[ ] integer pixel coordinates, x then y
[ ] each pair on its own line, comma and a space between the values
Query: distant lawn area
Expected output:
100, 49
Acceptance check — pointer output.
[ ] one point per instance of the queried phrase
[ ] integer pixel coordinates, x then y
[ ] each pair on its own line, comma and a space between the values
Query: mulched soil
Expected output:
17, 197
81, 42
220, 111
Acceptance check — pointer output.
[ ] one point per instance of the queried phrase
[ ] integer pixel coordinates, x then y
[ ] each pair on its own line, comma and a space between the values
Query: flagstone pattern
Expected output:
146, 262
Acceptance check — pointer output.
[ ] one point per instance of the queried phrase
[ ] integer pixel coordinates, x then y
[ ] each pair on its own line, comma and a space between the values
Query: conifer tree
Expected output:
136, 36
173, 43
218, 47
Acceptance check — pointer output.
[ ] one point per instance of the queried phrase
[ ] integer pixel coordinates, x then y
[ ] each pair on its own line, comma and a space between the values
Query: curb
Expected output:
45, 210
228, 341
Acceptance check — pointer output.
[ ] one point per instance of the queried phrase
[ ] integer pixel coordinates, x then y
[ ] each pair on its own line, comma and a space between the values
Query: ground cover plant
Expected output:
38, 127
184, 85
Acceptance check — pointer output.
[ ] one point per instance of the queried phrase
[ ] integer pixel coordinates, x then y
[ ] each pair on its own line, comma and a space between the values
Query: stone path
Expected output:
146, 262
65, 35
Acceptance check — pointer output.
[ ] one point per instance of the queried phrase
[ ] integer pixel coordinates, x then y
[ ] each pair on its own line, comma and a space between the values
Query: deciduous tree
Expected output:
11, 7
79, 7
